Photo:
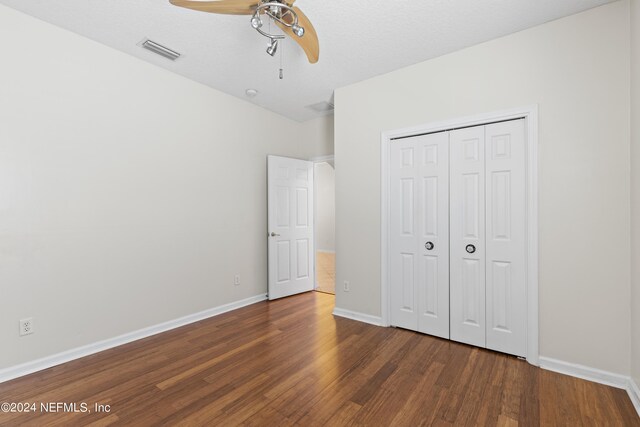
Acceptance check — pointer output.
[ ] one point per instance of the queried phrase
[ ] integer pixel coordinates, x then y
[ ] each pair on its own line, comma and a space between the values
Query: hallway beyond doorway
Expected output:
326, 272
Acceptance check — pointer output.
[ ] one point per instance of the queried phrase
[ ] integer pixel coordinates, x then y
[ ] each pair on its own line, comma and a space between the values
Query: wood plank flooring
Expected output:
290, 362
326, 272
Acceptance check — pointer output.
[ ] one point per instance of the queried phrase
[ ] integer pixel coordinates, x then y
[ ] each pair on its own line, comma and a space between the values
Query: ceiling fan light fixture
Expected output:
289, 19
273, 47
297, 30
256, 22
275, 9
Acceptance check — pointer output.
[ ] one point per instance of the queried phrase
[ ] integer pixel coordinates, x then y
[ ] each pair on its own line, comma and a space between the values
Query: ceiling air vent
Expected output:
321, 107
160, 50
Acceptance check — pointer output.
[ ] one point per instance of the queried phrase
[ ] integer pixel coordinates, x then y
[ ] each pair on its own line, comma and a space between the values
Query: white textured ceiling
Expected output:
358, 39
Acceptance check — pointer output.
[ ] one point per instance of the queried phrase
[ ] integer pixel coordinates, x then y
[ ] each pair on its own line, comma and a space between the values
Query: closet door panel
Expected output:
433, 288
505, 234
404, 234
467, 216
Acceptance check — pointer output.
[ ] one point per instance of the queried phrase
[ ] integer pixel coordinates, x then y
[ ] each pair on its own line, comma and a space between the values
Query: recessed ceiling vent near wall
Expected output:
321, 107
160, 50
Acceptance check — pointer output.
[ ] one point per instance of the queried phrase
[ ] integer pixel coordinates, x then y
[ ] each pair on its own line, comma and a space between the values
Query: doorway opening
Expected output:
324, 214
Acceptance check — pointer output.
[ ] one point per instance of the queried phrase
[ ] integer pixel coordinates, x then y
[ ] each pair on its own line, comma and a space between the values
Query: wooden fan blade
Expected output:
228, 7
309, 42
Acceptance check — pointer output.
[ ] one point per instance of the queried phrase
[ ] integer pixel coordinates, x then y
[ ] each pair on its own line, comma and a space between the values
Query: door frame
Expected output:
315, 161
530, 115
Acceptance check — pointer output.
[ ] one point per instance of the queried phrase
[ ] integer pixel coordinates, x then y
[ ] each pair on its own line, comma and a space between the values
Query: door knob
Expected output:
428, 246
470, 248
274, 234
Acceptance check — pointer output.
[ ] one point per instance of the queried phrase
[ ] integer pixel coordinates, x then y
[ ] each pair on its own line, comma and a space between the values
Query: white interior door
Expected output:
505, 233
467, 206
420, 234
290, 222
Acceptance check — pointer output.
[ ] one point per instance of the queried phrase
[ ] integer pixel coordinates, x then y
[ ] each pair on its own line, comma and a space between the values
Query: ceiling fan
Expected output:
289, 18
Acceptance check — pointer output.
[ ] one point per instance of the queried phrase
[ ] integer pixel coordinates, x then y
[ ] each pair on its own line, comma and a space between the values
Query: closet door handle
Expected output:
428, 246
470, 249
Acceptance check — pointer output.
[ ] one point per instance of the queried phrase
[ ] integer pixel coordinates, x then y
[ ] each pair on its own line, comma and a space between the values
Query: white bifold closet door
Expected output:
419, 263
467, 190
464, 192
506, 291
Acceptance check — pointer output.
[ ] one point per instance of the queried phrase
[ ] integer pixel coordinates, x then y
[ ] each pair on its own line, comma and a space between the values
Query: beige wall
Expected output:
577, 70
635, 189
129, 196
316, 138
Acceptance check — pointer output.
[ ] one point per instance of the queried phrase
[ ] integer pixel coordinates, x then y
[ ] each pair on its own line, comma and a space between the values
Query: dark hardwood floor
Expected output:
290, 362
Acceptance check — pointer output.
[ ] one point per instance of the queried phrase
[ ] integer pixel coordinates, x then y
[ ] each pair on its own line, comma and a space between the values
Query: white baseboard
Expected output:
584, 372
326, 251
361, 317
86, 350
634, 394
596, 375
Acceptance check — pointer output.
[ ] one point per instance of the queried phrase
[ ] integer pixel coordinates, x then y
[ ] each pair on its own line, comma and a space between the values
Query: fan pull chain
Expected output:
281, 55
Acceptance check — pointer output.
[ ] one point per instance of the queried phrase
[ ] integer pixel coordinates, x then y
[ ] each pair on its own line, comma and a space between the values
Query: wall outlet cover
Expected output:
26, 326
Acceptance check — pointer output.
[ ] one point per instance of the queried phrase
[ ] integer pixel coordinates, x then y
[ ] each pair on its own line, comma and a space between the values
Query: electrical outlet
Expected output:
26, 326
346, 287
236, 280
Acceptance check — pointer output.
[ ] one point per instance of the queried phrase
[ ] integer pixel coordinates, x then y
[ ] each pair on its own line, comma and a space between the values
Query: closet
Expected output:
457, 244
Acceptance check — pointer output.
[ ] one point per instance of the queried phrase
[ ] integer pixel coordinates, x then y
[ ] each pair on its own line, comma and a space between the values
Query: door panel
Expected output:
467, 207
506, 244
302, 207
472, 287
406, 206
290, 219
408, 283
303, 258
282, 209
429, 273
419, 243
403, 239
283, 248
430, 193
470, 205
433, 289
